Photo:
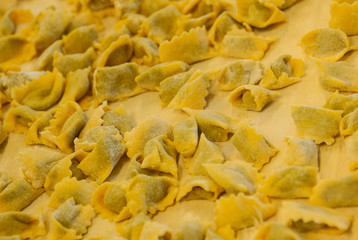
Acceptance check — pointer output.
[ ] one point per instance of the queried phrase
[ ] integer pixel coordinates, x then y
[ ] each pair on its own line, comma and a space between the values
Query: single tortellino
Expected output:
339, 76
160, 155
189, 47
316, 123
214, 125
12, 18
328, 44
67, 123
72, 62
80, 191
186, 137
40, 93
20, 118
238, 73
283, 72
346, 103
304, 217
150, 128
70, 220
33, 135
151, 194
162, 25
349, 123
245, 46
132, 22
119, 52
251, 97
77, 85
80, 39
99, 164
344, 17
22, 224
190, 230
152, 78
17, 195
302, 152
110, 201
290, 182
105, 42
334, 193
198, 187
276, 231
259, 14
223, 24
148, 7
133, 228
145, 51
283, 4
116, 83
189, 23
14, 79
241, 211
253, 146
154, 230
37, 162
45, 60
206, 152
234, 177
120, 119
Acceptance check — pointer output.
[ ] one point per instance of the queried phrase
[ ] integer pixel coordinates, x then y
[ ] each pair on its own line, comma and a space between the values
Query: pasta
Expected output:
352, 150
198, 187
186, 136
276, 231
80, 39
349, 124
45, 60
190, 230
77, 85
145, 51
12, 18
342, 102
18, 119
343, 16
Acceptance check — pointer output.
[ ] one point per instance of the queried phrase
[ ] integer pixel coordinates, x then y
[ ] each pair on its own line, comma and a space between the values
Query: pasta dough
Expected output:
344, 17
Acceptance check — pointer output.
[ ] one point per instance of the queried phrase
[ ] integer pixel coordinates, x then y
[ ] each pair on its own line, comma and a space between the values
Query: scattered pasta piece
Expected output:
328, 44
349, 123
145, 51
190, 230
344, 16
45, 60
352, 150
276, 231
153, 230
318, 124
120, 119
198, 187
77, 85
80, 39
253, 146
61, 170
12, 18
186, 137
346, 103
18, 119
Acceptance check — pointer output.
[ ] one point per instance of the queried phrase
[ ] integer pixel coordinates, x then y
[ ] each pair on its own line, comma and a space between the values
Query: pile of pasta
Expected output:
76, 138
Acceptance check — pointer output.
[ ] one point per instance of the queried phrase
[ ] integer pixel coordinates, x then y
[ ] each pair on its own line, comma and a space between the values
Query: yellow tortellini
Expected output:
80, 39
19, 119
238, 73
190, 230
34, 135
318, 124
339, 76
276, 231
110, 201
259, 14
40, 93
145, 51
130, 21
152, 78
344, 16
241, 211
328, 44
198, 187
283, 72
206, 152
12, 18
251, 97
77, 85
22, 224
70, 221
61, 170
133, 228
304, 217
109, 86
153, 230
45, 60
335, 193
189, 47
349, 123
186, 136
290, 182
253, 146
120, 119
67, 123
346, 103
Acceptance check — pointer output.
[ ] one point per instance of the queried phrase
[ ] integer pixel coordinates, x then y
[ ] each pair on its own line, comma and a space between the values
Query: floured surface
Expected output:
274, 122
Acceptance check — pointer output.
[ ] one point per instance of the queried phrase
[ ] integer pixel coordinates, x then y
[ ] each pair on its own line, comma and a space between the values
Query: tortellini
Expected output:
335, 193
352, 150
290, 182
19, 119
198, 187
344, 17
189, 47
109, 86
190, 230
152, 78
318, 124
301, 152
133, 228
304, 217
349, 123
214, 125
240, 211
338, 76
77, 85
206, 152
34, 132
40, 93
145, 51
328, 44
12, 18
276, 231
45, 60
238, 73
186, 136
110, 201
70, 221
22, 224
80, 39
120, 119
346, 103
253, 146
150, 194
61, 170
68, 121
283, 72
251, 97
259, 14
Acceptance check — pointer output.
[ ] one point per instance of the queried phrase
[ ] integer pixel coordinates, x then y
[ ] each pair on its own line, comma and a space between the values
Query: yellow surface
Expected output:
274, 122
